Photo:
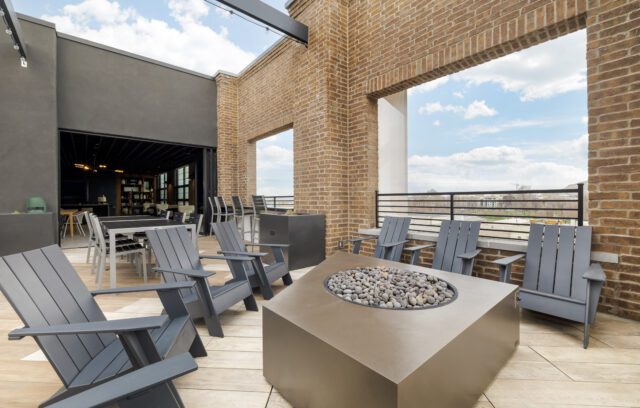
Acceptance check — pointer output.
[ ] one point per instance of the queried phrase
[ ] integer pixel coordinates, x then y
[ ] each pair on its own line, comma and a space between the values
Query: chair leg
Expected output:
214, 326
585, 340
250, 303
101, 268
89, 250
143, 256
287, 279
197, 349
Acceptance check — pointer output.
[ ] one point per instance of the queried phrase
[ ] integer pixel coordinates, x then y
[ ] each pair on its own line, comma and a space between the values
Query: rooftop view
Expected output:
316, 203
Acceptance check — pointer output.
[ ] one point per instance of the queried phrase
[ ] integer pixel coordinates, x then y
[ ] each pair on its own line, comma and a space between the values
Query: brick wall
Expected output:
360, 50
613, 64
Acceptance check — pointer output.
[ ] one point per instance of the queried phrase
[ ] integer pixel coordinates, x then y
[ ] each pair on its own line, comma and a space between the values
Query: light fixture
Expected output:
78, 165
16, 47
102, 166
119, 171
23, 62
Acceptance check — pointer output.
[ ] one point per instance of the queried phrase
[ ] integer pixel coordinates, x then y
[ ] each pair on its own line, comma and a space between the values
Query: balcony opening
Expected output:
504, 142
274, 170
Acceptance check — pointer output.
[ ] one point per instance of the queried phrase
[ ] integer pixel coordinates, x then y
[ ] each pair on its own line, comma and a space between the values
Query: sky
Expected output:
515, 121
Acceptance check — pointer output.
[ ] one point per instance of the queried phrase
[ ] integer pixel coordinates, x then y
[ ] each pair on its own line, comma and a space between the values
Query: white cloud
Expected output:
585, 120
473, 110
539, 72
192, 44
436, 123
273, 156
500, 127
458, 94
428, 86
500, 167
479, 108
430, 108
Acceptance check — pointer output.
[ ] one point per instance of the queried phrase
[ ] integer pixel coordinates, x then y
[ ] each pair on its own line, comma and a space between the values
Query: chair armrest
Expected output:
393, 244
251, 254
192, 273
469, 255
226, 258
420, 247
105, 326
508, 260
360, 239
267, 245
134, 382
145, 288
595, 273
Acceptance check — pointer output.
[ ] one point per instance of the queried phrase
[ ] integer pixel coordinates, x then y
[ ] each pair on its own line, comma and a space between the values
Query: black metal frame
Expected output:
273, 18
279, 203
11, 20
438, 206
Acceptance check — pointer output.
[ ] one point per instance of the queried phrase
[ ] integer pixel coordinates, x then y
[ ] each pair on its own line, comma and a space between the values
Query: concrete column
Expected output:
392, 143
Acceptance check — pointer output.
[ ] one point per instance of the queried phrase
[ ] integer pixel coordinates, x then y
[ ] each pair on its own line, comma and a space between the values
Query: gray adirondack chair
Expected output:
455, 249
260, 275
84, 348
559, 279
393, 236
179, 261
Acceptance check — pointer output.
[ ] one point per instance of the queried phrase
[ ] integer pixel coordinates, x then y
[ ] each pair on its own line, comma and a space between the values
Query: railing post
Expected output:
451, 213
377, 222
580, 204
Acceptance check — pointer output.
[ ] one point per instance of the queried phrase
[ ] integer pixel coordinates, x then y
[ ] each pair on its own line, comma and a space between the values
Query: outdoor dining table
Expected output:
129, 225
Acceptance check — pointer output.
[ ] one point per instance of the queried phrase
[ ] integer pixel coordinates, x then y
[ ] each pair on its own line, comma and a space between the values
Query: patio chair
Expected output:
260, 275
124, 247
393, 236
558, 277
259, 204
179, 261
86, 350
456, 248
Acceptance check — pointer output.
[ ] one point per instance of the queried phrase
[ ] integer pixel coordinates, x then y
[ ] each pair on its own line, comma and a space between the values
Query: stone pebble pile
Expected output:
390, 288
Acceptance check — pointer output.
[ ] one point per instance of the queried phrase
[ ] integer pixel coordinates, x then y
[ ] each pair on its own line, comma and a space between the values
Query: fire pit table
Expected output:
322, 349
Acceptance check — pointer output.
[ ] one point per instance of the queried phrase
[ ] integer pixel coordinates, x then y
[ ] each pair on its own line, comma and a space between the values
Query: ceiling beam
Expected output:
13, 29
273, 18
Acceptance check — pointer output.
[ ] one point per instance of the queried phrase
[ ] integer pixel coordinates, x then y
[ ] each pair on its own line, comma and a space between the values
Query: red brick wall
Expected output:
360, 50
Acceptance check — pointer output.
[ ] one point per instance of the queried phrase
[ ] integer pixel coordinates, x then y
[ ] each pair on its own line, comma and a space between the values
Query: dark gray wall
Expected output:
28, 120
103, 91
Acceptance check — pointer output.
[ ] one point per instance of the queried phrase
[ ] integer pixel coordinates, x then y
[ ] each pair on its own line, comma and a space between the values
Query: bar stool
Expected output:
259, 206
238, 212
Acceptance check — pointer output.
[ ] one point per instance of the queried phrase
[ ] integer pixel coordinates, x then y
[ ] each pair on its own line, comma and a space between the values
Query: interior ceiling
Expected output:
130, 155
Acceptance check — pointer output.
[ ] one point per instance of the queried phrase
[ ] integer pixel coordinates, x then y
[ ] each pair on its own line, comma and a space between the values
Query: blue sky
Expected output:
517, 120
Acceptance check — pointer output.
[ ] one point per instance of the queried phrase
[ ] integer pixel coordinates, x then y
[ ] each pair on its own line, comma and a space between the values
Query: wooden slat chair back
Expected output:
394, 229
173, 249
390, 242
559, 278
179, 260
44, 289
556, 258
260, 276
455, 238
231, 241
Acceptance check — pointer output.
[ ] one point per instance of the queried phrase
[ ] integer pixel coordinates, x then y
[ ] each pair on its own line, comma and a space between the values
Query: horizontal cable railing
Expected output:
279, 203
504, 214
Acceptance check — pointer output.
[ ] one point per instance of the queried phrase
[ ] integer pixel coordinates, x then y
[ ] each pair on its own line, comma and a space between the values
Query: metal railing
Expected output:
504, 214
279, 203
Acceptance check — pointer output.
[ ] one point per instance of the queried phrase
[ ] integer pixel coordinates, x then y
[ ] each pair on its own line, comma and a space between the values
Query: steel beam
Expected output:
273, 18
13, 29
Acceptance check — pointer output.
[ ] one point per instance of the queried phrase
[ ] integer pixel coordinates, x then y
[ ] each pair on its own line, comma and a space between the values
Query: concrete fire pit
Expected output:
321, 350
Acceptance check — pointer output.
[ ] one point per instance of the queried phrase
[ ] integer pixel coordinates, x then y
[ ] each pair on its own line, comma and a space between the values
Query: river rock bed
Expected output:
390, 288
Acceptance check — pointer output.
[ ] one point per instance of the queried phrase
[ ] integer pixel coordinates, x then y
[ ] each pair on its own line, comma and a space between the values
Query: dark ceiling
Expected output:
133, 156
